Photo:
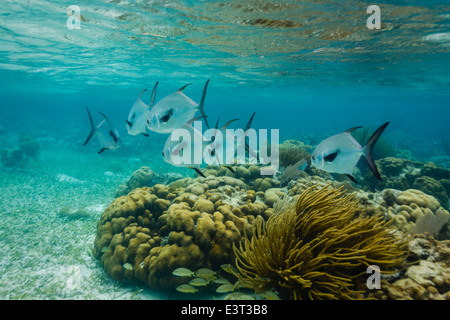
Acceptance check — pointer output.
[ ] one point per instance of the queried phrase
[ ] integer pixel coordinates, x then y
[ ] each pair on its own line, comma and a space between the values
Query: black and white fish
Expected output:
106, 132
139, 113
340, 153
174, 111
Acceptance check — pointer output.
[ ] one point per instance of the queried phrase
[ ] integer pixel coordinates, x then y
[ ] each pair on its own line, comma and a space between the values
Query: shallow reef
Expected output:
192, 223
403, 174
317, 248
320, 231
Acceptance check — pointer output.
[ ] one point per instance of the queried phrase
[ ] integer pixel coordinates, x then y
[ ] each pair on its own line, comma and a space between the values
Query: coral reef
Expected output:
428, 279
331, 232
292, 151
317, 248
145, 177
27, 148
403, 174
413, 211
191, 223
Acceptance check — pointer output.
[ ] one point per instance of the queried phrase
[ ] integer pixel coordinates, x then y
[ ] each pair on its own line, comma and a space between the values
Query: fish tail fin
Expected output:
198, 171
202, 100
247, 147
152, 99
369, 147
249, 123
229, 168
92, 127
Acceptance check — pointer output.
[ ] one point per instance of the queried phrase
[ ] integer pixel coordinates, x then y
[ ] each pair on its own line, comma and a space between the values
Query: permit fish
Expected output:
173, 111
217, 146
139, 113
106, 132
182, 153
340, 153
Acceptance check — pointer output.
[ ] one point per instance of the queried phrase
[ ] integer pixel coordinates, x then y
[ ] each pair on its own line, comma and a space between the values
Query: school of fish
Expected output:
339, 153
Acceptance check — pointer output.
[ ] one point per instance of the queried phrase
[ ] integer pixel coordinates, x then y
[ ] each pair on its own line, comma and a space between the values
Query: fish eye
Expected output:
313, 157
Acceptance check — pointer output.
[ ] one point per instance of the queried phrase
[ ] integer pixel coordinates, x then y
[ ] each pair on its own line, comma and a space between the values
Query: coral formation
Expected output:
190, 223
28, 148
145, 177
429, 279
317, 248
403, 174
412, 211
152, 229
292, 151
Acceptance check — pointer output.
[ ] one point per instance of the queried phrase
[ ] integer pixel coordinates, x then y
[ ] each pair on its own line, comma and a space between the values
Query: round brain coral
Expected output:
150, 232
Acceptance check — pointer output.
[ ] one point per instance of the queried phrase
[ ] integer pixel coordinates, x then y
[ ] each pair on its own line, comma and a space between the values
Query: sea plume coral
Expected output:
317, 248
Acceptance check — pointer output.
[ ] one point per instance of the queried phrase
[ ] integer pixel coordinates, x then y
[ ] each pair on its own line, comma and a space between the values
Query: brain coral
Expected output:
158, 229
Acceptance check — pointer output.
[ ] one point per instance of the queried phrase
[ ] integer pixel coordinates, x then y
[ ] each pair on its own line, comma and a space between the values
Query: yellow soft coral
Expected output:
316, 248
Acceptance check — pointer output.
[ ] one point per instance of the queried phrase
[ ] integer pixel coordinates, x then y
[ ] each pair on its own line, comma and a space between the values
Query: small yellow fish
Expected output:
229, 268
222, 281
128, 266
239, 296
186, 288
198, 282
225, 288
206, 274
182, 272
245, 297
270, 295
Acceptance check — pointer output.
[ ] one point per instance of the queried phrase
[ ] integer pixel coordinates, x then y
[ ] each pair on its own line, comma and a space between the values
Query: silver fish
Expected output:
340, 153
106, 132
217, 149
185, 150
173, 111
139, 113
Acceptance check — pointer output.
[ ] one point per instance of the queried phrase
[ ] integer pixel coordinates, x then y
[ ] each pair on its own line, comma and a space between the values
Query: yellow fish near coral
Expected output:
229, 268
198, 282
128, 266
225, 288
182, 272
186, 288
206, 274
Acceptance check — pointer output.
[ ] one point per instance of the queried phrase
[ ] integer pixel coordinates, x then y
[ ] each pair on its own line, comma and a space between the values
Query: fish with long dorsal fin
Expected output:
173, 111
181, 153
138, 116
217, 146
340, 153
107, 134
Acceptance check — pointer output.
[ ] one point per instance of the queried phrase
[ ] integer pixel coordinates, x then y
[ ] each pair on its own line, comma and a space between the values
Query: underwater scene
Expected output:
224, 150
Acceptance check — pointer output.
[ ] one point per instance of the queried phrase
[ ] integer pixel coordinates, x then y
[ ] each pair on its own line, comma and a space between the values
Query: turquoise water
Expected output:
307, 68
